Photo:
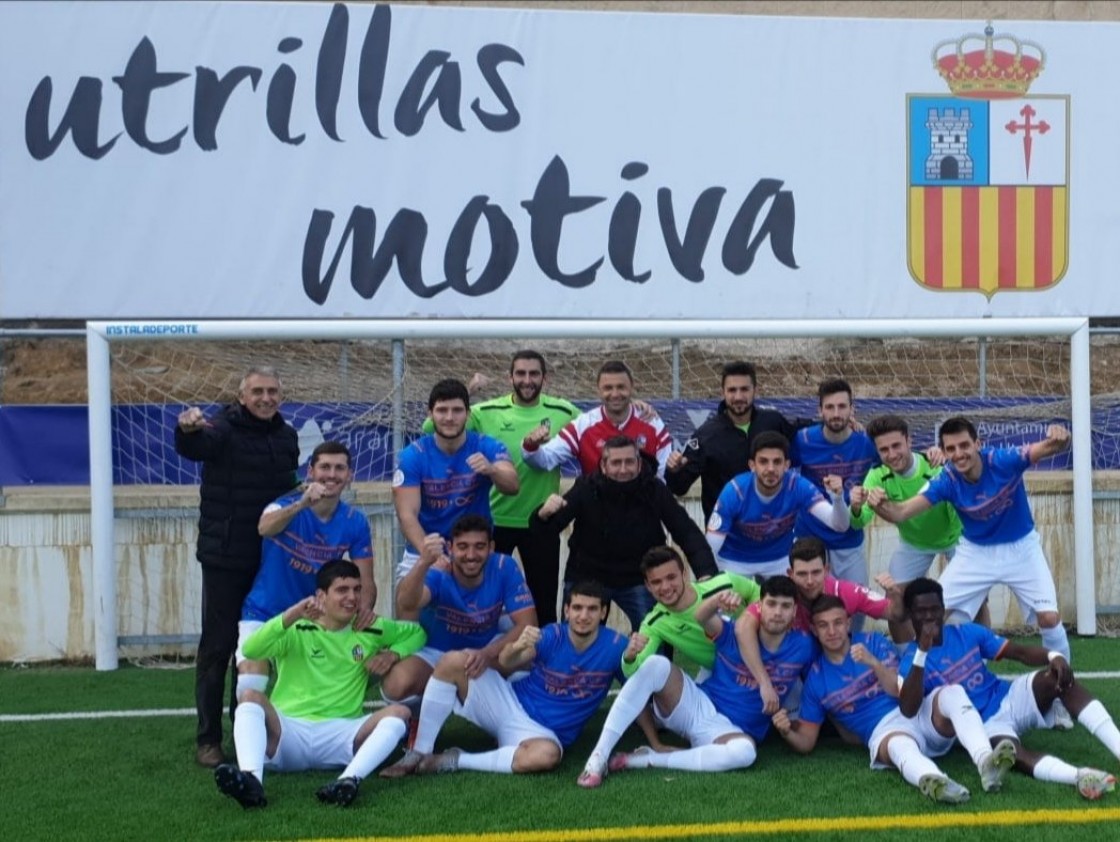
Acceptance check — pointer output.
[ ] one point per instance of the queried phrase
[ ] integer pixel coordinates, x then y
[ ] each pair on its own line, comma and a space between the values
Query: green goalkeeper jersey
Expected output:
934, 530
321, 674
509, 423
681, 630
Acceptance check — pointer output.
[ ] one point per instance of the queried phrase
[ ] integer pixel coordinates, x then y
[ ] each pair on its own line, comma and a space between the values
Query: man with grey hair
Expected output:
249, 456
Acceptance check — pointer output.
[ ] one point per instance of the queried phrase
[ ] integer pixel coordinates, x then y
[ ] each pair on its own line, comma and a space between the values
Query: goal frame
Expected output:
99, 334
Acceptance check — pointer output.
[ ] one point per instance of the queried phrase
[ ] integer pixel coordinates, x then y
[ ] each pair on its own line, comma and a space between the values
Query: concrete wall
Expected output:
46, 563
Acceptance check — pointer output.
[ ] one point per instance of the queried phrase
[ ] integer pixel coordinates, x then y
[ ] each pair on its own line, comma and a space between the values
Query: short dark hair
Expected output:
808, 548
449, 390
329, 448
472, 523
919, 587
954, 425
656, 556
738, 368
338, 568
779, 586
620, 441
588, 587
884, 424
614, 367
826, 602
528, 354
770, 439
832, 386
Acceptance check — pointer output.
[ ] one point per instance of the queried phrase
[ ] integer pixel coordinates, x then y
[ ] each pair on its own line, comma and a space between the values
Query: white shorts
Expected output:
326, 744
920, 728
1020, 565
909, 563
244, 629
407, 562
492, 705
849, 563
1018, 712
778, 567
695, 717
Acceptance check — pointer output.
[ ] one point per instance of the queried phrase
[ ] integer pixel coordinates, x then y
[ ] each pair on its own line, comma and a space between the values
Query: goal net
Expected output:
366, 384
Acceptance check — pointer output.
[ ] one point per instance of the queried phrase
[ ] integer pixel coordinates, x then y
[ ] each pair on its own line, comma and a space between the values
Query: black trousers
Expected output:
223, 592
539, 551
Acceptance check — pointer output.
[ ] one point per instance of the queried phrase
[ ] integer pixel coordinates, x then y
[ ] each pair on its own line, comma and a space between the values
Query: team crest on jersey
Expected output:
358, 653
715, 522
398, 478
988, 171
641, 440
692, 444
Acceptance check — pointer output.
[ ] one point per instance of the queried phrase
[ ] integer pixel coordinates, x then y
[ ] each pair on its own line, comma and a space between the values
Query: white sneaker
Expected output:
1093, 783
943, 789
996, 764
593, 773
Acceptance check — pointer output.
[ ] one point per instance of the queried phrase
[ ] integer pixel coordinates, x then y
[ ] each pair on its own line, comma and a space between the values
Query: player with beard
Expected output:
509, 419
722, 445
570, 665
751, 529
834, 448
582, 440
447, 474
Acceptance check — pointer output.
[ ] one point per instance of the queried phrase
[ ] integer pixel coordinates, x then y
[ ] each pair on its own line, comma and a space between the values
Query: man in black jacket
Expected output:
722, 445
620, 512
249, 457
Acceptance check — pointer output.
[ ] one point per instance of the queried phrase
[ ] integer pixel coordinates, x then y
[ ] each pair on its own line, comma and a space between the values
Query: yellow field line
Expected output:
842, 824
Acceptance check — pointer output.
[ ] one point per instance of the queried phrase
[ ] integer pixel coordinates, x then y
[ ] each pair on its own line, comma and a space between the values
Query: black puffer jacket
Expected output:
617, 522
719, 452
246, 464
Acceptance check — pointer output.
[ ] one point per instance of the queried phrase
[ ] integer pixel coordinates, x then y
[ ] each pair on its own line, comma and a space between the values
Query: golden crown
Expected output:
985, 72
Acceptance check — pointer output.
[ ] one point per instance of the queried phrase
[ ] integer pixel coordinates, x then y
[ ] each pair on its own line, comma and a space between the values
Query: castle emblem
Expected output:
988, 171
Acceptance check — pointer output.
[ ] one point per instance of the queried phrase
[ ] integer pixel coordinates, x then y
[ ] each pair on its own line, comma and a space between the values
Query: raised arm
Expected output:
1057, 441
896, 512
412, 593
746, 635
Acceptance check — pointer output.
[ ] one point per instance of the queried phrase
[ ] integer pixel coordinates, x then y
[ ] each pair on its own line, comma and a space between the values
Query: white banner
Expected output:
277, 160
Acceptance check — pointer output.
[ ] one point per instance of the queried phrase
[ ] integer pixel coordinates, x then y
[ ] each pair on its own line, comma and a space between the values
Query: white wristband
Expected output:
920, 658
1050, 656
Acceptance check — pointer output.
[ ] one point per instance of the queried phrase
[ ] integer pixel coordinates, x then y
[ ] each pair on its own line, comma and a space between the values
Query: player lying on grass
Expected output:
571, 666
855, 681
314, 719
954, 655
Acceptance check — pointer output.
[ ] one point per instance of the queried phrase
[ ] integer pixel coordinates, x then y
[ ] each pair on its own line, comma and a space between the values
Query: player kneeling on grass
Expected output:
717, 743
314, 719
855, 680
571, 666
955, 654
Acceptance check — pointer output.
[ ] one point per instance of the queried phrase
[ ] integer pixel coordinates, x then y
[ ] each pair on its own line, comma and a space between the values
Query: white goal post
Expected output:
99, 335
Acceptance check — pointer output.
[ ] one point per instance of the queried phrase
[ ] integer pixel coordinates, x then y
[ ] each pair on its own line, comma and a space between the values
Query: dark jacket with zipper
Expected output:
615, 523
246, 464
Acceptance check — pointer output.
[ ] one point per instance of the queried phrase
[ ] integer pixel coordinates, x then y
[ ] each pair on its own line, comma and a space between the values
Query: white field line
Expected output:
137, 714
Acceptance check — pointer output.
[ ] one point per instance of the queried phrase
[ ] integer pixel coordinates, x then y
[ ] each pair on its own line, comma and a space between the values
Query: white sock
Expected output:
438, 703
953, 702
1101, 725
736, 754
250, 681
1056, 771
499, 760
250, 737
631, 701
909, 760
377, 746
1056, 640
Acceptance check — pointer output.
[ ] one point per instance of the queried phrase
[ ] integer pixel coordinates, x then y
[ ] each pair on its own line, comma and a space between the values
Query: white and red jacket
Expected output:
582, 441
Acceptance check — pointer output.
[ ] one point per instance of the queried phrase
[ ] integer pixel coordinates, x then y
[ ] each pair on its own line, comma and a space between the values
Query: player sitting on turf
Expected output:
571, 666
314, 719
855, 681
955, 655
